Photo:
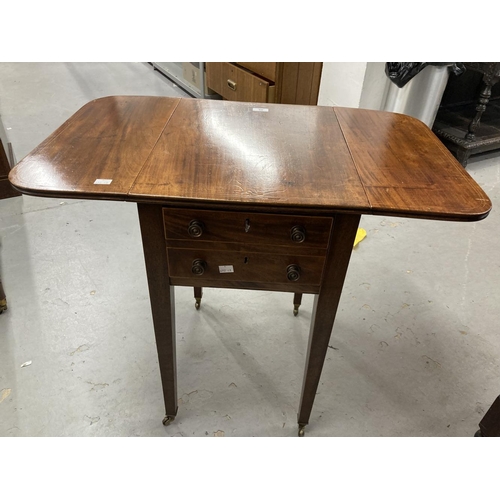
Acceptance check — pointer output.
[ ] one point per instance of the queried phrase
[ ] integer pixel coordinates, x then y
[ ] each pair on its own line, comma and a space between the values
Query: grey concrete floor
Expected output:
415, 350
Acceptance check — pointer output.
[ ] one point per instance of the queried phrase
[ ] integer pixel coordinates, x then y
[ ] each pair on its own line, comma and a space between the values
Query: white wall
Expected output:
353, 85
375, 86
341, 84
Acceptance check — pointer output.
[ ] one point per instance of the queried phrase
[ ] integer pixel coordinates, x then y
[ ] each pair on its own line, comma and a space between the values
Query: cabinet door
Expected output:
299, 83
236, 84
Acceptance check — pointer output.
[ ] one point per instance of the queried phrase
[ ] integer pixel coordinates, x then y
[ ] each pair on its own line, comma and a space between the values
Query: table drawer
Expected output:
236, 84
244, 266
250, 228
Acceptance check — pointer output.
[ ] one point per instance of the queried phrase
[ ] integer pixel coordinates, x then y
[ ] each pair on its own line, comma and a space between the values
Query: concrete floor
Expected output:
415, 351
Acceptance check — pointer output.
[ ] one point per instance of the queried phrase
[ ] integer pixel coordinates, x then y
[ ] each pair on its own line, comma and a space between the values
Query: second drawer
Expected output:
243, 266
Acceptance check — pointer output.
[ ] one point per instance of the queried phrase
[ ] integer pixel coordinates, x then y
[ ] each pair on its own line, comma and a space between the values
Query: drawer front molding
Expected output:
289, 231
215, 265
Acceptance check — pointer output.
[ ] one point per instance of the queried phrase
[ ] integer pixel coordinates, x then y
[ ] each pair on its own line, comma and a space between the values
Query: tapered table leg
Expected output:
162, 301
325, 309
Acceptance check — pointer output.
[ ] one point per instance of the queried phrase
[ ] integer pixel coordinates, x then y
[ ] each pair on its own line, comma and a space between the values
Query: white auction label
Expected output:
103, 181
262, 110
226, 269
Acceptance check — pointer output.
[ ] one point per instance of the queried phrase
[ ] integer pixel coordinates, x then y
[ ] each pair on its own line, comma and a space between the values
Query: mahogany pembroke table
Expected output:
252, 196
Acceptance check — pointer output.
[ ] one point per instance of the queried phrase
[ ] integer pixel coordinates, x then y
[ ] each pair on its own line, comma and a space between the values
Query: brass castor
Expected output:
3, 305
478, 434
197, 304
302, 430
168, 420
297, 300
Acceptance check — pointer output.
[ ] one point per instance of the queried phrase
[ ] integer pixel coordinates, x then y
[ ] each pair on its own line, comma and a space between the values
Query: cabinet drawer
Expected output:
215, 265
266, 69
249, 228
236, 84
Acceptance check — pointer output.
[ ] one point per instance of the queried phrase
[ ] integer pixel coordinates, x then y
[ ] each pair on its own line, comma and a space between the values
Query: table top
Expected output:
183, 150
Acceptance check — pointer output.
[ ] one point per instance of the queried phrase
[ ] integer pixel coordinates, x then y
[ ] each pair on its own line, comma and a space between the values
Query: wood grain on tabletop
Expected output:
229, 152
108, 138
405, 170
192, 150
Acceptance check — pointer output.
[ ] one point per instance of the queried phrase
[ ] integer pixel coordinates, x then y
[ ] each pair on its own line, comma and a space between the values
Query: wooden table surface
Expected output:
270, 193
188, 150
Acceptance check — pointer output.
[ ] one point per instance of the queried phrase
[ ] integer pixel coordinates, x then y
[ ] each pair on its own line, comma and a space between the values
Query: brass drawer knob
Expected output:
231, 84
195, 228
293, 272
198, 267
298, 234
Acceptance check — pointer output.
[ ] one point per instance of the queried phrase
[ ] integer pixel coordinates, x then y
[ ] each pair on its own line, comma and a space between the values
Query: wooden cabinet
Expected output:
236, 84
285, 83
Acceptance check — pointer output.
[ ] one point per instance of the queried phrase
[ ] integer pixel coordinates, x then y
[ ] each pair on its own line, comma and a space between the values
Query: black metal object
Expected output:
468, 120
400, 73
